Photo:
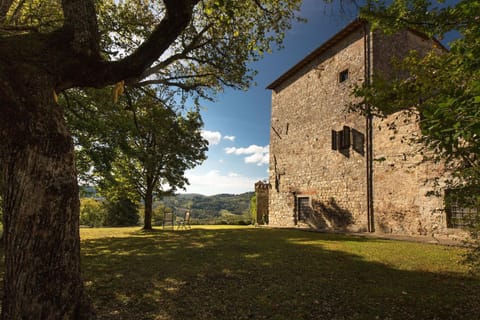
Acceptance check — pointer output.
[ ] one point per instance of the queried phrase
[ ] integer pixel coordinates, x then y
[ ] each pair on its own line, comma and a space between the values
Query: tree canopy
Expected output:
140, 144
195, 46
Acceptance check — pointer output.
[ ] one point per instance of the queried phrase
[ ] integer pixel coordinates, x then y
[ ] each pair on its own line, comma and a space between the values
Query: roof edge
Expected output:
334, 40
312, 55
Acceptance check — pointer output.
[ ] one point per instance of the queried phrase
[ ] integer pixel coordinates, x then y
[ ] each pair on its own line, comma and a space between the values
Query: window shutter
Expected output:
358, 141
345, 138
334, 140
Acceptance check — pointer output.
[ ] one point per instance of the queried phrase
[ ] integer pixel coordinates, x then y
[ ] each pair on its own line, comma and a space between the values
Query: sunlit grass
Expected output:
225, 272
401, 255
96, 233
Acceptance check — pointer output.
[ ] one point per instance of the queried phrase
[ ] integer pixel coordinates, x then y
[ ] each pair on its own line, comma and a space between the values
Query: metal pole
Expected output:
369, 131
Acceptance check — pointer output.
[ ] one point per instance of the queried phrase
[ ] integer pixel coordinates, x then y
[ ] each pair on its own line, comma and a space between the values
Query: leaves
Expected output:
442, 86
136, 144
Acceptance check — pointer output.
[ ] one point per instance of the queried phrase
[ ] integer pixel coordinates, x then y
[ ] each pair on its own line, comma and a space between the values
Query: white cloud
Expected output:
258, 158
231, 138
256, 154
213, 137
214, 183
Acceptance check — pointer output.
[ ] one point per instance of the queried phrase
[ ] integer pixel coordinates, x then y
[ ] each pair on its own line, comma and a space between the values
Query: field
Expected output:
247, 273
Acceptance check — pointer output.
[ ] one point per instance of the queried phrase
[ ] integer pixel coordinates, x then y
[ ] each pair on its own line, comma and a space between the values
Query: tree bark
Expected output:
38, 177
41, 228
147, 225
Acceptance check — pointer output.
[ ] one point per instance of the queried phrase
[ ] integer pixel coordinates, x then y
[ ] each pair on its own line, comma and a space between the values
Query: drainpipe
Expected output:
369, 130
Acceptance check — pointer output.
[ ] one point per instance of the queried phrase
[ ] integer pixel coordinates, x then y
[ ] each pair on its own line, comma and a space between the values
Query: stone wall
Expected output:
305, 110
304, 167
408, 198
403, 180
261, 191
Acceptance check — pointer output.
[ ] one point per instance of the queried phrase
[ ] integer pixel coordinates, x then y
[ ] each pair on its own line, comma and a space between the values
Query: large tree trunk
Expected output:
38, 179
41, 201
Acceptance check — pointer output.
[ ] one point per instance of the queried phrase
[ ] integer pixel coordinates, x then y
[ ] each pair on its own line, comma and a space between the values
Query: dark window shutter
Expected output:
334, 140
358, 141
345, 138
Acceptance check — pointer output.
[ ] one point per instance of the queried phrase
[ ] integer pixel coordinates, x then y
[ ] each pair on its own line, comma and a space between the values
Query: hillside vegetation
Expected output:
95, 211
209, 207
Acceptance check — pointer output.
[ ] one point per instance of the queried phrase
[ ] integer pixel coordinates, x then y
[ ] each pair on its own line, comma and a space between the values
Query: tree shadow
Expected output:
328, 216
262, 274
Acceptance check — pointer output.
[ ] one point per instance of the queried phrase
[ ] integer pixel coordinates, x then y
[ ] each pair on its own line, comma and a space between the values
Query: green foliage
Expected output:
442, 87
92, 213
144, 143
140, 145
157, 214
121, 212
40, 15
215, 49
253, 208
210, 207
472, 257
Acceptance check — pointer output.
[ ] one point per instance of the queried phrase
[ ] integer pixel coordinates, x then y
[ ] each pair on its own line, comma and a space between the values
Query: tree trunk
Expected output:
41, 201
148, 209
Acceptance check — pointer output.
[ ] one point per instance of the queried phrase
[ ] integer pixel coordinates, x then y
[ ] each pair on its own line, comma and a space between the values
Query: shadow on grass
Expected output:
261, 274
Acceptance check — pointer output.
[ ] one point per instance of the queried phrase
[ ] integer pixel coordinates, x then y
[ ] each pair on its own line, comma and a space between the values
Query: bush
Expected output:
92, 213
472, 258
253, 209
121, 213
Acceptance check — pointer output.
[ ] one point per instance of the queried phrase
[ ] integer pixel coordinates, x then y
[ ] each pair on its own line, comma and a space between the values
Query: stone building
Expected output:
331, 169
261, 191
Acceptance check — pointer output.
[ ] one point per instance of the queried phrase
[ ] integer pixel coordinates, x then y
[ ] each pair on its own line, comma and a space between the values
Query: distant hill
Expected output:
207, 207
200, 206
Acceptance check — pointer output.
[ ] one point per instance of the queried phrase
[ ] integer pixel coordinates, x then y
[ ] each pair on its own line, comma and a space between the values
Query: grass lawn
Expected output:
248, 273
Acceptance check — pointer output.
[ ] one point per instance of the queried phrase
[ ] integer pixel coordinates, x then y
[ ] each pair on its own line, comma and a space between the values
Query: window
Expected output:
343, 76
303, 208
460, 218
462, 211
341, 139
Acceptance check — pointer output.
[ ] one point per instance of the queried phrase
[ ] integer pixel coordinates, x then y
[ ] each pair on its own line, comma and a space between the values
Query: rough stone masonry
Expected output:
318, 150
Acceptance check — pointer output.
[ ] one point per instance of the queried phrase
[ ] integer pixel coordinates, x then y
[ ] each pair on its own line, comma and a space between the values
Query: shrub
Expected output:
121, 213
92, 212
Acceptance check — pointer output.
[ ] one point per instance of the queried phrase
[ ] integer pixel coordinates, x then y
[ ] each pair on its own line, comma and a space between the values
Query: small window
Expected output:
462, 211
461, 218
341, 139
303, 208
343, 76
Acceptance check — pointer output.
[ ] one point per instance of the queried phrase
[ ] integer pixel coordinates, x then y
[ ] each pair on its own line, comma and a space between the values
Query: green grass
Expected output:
227, 272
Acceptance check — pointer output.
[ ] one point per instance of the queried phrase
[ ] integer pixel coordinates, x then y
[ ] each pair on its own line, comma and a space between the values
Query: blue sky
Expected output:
237, 124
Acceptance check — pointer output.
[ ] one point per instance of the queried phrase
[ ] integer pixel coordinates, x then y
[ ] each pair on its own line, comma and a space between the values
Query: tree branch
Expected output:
4, 7
81, 21
194, 44
98, 73
257, 2
177, 18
